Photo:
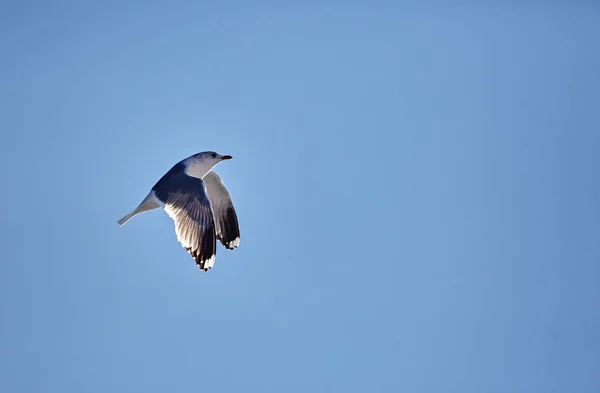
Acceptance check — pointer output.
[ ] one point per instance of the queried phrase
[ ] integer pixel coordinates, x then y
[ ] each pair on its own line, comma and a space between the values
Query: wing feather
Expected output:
225, 217
186, 201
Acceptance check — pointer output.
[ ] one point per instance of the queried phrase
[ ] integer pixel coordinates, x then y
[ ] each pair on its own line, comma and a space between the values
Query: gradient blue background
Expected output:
417, 189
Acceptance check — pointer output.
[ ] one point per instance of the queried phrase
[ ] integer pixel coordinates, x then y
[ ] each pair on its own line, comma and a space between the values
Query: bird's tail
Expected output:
127, 217
147, 204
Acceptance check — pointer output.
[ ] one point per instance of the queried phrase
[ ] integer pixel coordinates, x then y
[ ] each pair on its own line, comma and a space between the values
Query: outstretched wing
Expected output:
226, 222
185, 200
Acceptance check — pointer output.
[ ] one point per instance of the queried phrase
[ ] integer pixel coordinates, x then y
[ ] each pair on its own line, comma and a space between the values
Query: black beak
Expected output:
226, 157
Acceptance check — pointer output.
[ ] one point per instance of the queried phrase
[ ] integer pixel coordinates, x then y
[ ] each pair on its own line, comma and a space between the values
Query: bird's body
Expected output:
194, 196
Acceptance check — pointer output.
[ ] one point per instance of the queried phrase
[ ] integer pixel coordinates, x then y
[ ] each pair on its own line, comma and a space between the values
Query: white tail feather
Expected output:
149, 203
127, 217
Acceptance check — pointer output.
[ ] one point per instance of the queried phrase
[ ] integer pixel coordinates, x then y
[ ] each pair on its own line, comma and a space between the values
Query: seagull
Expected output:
194, 196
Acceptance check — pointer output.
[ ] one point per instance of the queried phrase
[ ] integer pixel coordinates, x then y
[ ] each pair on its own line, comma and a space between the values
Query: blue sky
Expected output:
417, 190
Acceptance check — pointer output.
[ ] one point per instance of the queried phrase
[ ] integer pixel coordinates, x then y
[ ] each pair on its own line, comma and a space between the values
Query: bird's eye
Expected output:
213, 155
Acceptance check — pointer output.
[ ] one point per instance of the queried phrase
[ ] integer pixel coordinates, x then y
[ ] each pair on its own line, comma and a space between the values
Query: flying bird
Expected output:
194, 196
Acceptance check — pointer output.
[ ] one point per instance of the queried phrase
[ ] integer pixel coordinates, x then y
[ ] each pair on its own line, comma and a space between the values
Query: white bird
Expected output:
194, 196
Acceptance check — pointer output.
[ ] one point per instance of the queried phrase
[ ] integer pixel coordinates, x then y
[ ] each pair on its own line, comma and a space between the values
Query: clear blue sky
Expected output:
417, 188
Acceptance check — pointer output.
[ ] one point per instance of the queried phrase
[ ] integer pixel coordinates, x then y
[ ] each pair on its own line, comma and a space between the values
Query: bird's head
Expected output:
202, 163
211, 157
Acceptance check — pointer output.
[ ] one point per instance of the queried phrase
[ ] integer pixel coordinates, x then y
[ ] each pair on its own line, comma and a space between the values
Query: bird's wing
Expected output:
226, 222
186, 202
